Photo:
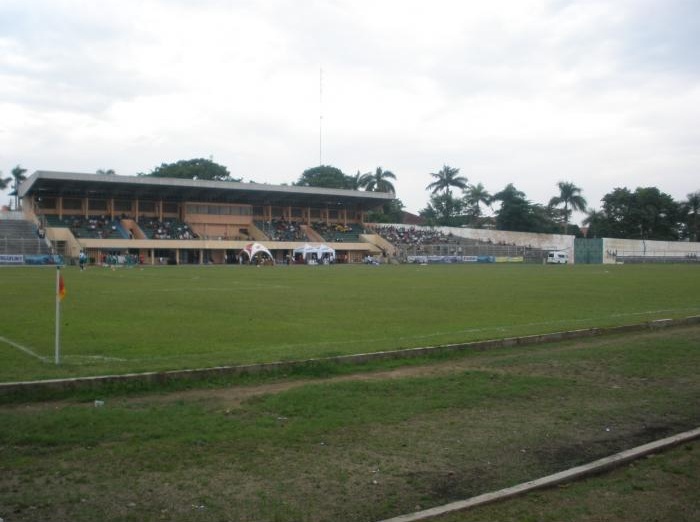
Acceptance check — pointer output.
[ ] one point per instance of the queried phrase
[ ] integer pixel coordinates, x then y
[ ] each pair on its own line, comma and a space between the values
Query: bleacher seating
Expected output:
92, 227
339, 233
282, 230
412, 240
167, 229
414, 235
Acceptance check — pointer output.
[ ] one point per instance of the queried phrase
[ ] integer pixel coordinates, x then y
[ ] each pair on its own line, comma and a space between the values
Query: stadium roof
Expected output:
71, 184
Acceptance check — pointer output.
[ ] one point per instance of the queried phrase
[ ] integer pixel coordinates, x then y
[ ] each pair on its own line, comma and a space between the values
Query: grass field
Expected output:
155, 318
371, 445
351, 443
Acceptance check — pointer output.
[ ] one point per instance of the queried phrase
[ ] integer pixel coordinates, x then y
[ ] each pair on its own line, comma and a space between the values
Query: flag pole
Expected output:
58, 315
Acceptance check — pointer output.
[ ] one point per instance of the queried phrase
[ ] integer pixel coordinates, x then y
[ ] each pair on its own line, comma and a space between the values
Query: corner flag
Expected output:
61, 287
60, 294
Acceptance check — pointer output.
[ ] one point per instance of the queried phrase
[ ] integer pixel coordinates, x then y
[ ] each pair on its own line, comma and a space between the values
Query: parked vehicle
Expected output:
556, 257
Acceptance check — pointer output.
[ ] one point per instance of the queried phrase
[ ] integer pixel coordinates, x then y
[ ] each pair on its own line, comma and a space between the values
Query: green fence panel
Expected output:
588, 251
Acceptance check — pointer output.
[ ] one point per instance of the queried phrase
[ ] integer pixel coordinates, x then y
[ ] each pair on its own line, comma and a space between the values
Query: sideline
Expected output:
585, 470
24, 349
161, 377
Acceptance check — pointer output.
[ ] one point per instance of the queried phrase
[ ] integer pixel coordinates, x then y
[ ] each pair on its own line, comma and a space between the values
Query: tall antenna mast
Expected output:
320, 118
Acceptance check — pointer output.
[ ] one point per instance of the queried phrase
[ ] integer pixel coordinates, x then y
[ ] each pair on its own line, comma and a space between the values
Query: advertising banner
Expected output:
11, 259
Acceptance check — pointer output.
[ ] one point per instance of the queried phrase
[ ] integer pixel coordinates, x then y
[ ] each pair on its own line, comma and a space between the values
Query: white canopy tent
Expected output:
253, 249
315, 252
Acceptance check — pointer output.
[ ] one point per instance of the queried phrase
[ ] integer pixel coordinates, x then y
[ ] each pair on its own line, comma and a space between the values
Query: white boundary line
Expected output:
598, 466
24, 349
42, 358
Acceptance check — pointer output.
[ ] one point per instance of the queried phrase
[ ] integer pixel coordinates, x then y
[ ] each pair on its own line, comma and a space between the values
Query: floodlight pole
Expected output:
320, 118
57, 350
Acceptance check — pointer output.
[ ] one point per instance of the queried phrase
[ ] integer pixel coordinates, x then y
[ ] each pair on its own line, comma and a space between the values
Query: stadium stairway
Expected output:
19, 237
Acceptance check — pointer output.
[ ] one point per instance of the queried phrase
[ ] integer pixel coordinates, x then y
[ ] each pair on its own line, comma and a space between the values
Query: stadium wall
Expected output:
617, 250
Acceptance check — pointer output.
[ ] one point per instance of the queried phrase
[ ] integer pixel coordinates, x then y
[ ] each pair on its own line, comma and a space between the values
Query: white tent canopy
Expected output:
253, 249
320, 251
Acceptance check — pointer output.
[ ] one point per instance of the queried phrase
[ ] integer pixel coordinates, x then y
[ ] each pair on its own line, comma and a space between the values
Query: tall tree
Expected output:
475, 195
446, 178
691, 208
616, 212
569, 196
444, 210
198, 169
19, 177
518, 214
391, 212
646, 213
323, 176
594, 220
378, 181
657, 214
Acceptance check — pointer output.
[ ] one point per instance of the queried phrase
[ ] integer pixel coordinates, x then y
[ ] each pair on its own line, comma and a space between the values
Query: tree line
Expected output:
645, 213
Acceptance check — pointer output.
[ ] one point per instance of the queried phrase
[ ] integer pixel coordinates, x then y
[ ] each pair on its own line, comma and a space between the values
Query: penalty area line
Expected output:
24, 349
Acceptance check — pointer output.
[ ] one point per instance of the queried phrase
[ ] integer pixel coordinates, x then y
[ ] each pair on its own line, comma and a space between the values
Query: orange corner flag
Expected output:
61, 288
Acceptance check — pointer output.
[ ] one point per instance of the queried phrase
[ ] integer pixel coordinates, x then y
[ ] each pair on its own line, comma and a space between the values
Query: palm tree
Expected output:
4, 182
445, 179
19, 177
570, 196
378, 181
477, 194
355, 182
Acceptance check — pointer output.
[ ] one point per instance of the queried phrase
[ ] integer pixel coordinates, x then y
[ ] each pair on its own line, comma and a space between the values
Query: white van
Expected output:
557, 258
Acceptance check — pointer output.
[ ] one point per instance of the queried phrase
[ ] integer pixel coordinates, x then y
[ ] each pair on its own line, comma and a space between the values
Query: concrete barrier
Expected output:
569, 475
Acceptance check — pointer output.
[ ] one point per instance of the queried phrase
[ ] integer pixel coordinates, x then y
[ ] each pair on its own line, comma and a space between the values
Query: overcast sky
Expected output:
531, 92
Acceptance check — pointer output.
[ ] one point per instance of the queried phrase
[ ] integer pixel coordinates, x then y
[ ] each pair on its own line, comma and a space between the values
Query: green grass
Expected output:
158, 318
363, 447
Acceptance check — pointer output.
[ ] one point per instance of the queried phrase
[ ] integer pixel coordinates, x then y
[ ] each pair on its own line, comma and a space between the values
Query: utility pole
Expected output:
320, 118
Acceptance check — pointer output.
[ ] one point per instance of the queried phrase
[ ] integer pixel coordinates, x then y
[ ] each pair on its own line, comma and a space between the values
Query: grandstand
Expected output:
176, 221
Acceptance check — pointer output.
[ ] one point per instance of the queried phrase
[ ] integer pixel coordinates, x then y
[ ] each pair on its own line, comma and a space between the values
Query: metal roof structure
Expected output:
71, 184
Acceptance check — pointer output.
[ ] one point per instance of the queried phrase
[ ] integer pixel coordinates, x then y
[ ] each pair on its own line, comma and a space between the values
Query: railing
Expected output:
10, 245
